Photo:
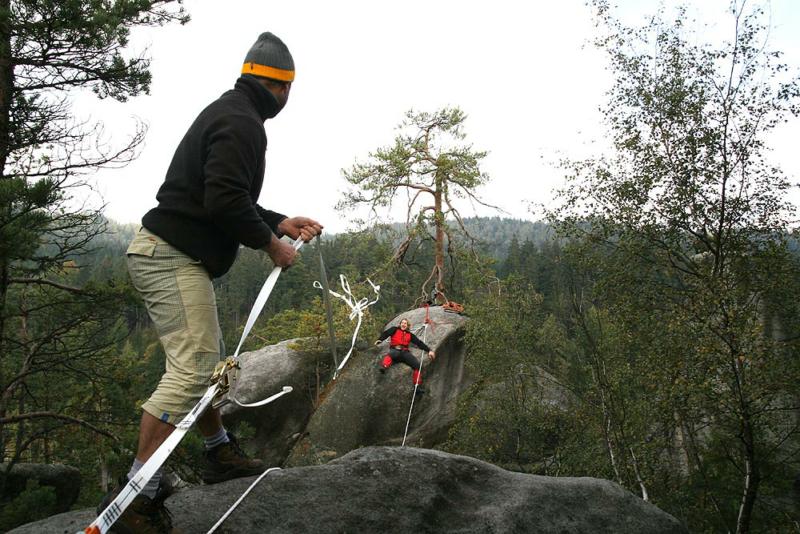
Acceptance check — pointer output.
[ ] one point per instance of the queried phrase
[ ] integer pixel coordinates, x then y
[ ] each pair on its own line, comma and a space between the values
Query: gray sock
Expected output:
217, 439
151, 488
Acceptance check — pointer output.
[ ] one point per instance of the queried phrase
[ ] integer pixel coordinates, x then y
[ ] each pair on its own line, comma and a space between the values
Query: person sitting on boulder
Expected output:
398, 350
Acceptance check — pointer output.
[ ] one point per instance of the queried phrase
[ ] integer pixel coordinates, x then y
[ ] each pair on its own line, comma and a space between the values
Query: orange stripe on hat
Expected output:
268, 72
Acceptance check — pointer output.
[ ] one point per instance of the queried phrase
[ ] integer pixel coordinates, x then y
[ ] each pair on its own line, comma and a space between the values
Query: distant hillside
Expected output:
104, 257
495, 234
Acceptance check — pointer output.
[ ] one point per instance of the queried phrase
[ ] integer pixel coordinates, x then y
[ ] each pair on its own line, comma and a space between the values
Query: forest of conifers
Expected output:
544, 323
646, 332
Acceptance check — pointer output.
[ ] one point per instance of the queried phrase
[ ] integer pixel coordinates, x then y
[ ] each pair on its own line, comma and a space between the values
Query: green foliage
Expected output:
60, 327
513, 426
502, 418
32, 504
425, 152
496, 234
655, 343
681, 234
431, 167
504, 328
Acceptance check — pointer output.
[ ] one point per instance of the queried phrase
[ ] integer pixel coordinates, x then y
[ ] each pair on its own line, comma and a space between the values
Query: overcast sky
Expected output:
522, 71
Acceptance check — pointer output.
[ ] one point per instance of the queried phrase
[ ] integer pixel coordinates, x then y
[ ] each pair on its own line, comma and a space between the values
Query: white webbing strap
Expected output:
416, 385
261, 299
103, 523
357, 308
258, 306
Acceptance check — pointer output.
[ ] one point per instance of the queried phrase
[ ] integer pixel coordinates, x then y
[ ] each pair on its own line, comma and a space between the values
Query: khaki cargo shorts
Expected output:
180, 300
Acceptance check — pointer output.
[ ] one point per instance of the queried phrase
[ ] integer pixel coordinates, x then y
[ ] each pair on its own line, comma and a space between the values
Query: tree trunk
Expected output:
610, 447
639, 479
6, 83
105, 475
681, 447
439, 248
752, 477
6, 80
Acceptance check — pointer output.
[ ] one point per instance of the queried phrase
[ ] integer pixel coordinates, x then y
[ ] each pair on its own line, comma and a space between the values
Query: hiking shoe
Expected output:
382, 370
143, 515
228, 461
419, 392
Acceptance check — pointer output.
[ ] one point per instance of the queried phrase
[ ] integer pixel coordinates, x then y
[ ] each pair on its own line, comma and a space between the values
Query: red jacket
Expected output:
401, 338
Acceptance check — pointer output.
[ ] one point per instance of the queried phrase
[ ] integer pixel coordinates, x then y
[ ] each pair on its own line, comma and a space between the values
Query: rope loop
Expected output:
357, 309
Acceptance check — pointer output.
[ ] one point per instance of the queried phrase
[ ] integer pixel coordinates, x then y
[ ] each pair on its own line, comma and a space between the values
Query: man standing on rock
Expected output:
401, 337
207, 207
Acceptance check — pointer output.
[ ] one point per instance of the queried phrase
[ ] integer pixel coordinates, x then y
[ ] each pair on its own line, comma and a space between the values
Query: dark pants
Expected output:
403, 356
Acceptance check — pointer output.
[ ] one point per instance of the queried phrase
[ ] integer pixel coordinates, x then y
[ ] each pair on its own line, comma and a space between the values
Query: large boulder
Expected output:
394, 489
264, 372
65, 481
364, 407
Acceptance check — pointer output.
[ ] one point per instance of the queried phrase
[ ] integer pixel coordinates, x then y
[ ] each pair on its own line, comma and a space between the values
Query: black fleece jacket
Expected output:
207, 203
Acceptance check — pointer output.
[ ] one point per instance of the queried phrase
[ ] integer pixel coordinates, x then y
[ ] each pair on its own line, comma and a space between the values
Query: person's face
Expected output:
403, 325
279, 90
282, 93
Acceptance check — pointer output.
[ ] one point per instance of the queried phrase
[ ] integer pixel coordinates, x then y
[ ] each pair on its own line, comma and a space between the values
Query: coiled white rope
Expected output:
357, 308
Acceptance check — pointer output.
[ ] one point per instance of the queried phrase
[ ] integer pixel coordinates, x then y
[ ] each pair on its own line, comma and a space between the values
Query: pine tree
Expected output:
52, 329
428, 162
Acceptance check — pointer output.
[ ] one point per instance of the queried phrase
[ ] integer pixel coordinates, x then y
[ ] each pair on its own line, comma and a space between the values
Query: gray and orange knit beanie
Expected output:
269, 58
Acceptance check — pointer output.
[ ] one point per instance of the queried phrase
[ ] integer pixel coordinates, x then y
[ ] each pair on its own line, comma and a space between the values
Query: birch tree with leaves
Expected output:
685, 226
